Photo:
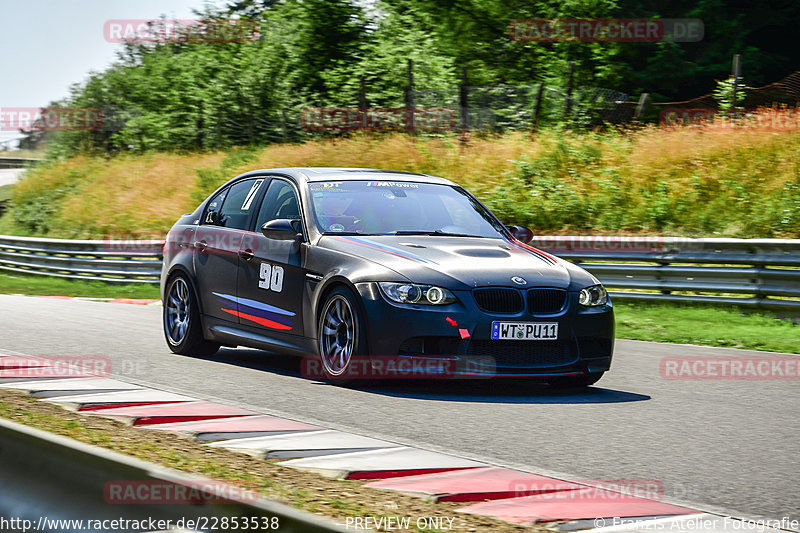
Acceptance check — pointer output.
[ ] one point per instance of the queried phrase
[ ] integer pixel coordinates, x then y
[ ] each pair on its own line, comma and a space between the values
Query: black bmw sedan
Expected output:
371, 273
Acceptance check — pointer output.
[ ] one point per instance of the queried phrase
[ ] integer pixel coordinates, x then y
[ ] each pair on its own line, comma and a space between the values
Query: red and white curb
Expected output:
303, 444
511, 495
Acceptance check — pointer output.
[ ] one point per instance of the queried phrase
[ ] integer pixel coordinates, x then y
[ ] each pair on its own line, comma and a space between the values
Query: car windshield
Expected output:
399, 208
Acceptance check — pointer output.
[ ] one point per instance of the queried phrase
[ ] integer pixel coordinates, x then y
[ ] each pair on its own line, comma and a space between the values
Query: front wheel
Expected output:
341, 335
182, 327
575, 382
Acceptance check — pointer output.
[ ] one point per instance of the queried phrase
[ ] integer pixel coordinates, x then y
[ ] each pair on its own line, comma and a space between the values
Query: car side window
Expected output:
213, 208
279, 202
237, 204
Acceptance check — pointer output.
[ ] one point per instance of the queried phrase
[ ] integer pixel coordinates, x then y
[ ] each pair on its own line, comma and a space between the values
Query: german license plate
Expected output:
525, 331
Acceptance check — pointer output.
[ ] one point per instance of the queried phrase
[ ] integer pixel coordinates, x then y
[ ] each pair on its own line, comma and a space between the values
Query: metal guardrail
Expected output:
761, 273
134, 261
47, 477
18, 162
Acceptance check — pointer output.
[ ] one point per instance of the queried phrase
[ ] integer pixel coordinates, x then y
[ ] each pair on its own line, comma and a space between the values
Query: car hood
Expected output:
456, 262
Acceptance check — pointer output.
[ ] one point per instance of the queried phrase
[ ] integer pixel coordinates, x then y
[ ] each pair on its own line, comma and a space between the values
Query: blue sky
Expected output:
47, 45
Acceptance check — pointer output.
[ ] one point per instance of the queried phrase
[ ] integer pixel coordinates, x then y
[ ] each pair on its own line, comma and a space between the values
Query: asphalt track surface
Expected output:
726, 446
10, 175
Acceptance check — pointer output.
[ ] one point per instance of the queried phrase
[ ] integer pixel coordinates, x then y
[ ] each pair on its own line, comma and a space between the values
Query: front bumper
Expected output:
455, 340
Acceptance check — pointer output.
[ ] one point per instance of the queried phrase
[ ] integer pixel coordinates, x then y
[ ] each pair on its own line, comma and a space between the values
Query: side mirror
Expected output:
521, 233
281, 229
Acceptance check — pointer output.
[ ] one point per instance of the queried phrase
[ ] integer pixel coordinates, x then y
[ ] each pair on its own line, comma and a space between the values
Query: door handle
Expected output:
201, 245
247, 254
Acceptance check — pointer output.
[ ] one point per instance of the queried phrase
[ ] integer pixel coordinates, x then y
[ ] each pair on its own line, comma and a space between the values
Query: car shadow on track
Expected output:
499, 391
479, 390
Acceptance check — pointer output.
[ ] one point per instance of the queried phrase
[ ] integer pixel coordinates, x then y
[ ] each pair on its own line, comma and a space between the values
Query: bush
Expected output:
692, 182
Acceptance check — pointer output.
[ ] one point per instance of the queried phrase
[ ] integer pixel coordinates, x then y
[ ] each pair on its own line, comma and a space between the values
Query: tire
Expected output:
340, 336
576, 382
181, 320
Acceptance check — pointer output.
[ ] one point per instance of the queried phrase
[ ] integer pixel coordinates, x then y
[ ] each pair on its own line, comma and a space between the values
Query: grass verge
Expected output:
6, 192
707, 326
32, 284
337, 499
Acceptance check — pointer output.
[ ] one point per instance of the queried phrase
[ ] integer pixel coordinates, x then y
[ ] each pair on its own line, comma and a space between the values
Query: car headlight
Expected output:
411, 293
593, 296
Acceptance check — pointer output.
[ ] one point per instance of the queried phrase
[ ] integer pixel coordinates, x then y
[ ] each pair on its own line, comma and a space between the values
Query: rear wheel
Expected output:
182, 327
341, 335
575, 382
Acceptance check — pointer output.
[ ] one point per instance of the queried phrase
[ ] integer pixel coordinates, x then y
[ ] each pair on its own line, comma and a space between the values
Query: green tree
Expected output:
382, 65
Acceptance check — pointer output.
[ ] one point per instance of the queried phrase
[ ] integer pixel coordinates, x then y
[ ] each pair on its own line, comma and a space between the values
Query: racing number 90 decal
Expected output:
270, 277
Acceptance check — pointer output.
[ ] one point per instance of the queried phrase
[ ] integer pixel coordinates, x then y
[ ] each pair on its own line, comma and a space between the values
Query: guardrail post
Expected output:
568, 109
537, 111
640, 106
362, 101
410, 94
463, 100
736, 68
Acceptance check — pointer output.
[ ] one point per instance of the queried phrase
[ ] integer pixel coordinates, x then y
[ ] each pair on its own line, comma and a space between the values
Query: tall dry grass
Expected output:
692, 181
87, 197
